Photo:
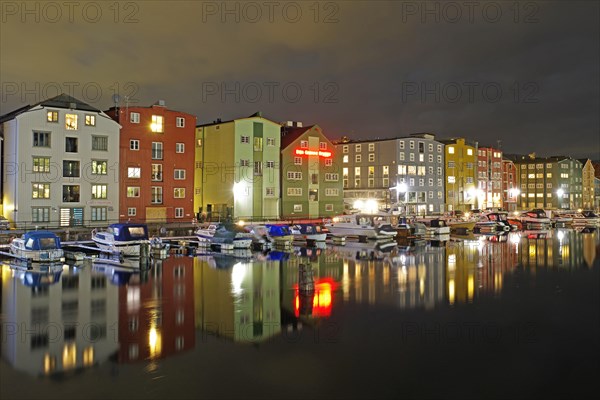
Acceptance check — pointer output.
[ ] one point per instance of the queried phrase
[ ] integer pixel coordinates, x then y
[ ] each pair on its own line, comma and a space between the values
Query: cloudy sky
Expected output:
526, 75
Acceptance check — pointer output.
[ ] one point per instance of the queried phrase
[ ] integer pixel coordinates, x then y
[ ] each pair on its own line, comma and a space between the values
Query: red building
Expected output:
156, 171
510, 185
156, 312
489, 176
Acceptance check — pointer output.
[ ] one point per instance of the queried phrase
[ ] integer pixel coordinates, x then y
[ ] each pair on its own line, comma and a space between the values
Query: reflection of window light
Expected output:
69, 356
154, 342
451, 291
88, 356
49, 363
133, 298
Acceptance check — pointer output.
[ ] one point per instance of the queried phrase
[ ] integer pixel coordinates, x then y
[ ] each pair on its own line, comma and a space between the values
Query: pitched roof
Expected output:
61, 101
257, 114
290, 134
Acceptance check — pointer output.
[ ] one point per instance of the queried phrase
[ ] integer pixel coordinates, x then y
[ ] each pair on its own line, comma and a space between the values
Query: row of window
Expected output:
42, 214
258, 142
71, 119
451, 150
495, 154
157, 123
298, 191
71, 193
401, 144
298, 207
452, 179
297, 176
134, 144
298, 161
156, 173
548, 166
43, 139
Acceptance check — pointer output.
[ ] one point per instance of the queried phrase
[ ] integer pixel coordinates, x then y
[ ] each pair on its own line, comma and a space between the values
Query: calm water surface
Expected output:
516, 318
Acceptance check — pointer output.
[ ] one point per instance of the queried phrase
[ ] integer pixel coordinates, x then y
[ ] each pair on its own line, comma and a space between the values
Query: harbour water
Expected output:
518, 317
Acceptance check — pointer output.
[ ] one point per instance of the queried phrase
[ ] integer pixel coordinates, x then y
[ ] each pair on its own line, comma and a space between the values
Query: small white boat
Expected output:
435, 226
370, 226
535, 219
309, 232
38, 246
123, 239
226, 235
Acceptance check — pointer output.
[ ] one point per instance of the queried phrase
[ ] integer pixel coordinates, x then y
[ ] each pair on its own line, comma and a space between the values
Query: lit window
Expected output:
134, 172
180, 122
469, 152
156, 195
99, 191
99, 167
41, 164
52, 116
450, 150
157, 124
41, 191
71, 122
90, 120
133, 191
345, 159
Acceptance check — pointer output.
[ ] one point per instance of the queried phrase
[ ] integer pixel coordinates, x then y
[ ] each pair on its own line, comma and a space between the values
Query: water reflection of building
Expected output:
57, 323
476, 267
558, 248
239, 302
405, 280
157, 313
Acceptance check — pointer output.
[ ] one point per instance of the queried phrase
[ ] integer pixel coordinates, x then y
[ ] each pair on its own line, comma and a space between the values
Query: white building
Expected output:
60, 164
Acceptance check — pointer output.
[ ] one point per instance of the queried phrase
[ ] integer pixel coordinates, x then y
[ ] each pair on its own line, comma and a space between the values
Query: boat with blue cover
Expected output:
280, 233
38, 246
123, 238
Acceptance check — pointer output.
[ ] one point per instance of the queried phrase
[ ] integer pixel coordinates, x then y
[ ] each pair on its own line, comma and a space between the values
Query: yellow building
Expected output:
460, 171
587, 173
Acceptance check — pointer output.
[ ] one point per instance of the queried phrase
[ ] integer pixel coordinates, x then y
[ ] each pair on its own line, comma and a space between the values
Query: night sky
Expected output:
526, 75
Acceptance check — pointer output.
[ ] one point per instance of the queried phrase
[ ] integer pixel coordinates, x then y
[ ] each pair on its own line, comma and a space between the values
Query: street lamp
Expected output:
560, 193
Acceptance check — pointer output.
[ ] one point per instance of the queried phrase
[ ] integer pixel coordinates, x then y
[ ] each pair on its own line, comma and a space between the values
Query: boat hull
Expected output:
51, 255
127, 249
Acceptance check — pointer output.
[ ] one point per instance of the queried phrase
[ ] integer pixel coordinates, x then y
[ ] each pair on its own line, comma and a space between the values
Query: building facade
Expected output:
461, 180
156, 163
311, 181
489, 177
237, 171
408, 170
61, 163
549, 182
510, 185
587, 183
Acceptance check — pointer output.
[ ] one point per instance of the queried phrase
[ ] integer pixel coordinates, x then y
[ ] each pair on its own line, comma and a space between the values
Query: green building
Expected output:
311, 184
237, 169
549, 182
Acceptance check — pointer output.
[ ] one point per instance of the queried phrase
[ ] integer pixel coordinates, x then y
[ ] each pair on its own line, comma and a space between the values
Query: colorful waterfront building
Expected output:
311, 184
461, 178
156, 163
408, 170
549, 182
237, 172
60, 164
489, 177
587, 175
510, 185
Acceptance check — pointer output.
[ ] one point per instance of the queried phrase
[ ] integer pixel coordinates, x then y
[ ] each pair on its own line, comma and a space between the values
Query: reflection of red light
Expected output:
322, 299
320, 153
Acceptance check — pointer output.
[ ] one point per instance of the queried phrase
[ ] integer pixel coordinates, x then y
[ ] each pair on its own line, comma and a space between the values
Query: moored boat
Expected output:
368, 226
534, 220
280, 234
122, 238
38, 246
308, 232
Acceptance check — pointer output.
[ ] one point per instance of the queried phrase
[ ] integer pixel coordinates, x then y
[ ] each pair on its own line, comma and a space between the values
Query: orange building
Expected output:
156, 167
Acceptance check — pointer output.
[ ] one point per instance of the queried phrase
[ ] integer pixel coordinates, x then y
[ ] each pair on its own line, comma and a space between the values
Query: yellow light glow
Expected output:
49, 363
241, 222
88, 356
451, 291
154, 342
69, 356
470, 287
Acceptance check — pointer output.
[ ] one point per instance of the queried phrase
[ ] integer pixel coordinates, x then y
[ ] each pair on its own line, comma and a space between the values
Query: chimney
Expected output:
160, 103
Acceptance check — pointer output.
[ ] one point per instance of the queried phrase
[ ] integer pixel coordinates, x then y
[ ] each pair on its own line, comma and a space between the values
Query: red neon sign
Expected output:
320, 153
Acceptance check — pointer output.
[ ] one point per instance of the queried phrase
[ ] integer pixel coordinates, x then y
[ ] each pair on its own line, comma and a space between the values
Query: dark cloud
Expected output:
357, 75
